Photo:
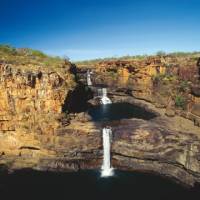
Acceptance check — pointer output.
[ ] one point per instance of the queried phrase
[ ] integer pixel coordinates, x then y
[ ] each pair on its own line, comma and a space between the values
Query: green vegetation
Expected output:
7, 49
36, 53
28, 58
163, 77
181, 53
180, 101
194, 55
95, 61
184, 86
12, 51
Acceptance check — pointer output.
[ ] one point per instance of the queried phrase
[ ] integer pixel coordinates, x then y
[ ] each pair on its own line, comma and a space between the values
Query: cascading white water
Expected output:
99, 92
104, 98
89, 82
104, 92
107, 170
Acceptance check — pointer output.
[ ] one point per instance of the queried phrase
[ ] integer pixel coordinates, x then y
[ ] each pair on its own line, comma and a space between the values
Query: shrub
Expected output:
37, 53
8, 49
184, 85
180, 101
162, 77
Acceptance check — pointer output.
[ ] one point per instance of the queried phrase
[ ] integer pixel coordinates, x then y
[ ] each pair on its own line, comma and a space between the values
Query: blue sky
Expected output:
86, 29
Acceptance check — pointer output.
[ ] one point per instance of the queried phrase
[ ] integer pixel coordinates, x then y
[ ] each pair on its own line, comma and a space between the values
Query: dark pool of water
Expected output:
88, 185
117, 111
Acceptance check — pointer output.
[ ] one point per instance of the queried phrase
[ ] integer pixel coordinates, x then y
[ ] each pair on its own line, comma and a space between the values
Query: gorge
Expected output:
51, 118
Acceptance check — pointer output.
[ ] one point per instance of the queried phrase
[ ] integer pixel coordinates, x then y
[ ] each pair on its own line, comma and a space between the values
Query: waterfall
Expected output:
106, 167
104, 92
104, 98
99, 92
89, 82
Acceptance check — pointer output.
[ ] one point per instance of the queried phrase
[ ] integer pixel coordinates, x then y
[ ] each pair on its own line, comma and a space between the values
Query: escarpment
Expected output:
30, 96
32, 122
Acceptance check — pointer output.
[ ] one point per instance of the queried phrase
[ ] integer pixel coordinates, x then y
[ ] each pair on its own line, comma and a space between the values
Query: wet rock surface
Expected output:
137, 145
147, 146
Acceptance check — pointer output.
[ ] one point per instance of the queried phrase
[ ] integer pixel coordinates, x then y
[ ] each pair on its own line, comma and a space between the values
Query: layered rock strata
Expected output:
167, 82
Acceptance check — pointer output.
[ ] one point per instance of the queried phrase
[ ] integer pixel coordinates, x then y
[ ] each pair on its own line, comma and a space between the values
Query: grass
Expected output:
95, 61
194, 55
30, 59
163, 78
184, 86
6, 49
27, 60
180, 101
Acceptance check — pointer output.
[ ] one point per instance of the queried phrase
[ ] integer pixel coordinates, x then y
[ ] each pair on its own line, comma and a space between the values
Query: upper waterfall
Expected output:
104, 98
89, 81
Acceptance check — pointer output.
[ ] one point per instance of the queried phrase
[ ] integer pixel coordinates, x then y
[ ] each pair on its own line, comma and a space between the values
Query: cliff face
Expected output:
29, 96
168, 82
31, 105
152, 147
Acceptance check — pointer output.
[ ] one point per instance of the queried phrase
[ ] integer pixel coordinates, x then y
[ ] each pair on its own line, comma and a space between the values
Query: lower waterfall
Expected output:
107, 170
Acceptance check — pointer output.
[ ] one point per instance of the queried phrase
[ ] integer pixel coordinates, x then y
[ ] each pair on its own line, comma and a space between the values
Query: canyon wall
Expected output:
33, 131
168, 82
